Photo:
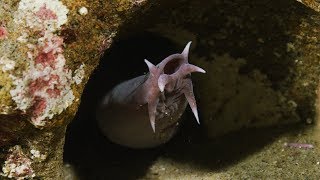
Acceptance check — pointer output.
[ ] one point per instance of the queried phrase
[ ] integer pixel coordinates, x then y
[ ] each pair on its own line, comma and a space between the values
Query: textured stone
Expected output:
48, 50
314, 4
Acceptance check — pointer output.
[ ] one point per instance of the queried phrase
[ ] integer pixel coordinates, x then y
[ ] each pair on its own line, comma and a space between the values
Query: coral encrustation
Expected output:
43, 89
17, 164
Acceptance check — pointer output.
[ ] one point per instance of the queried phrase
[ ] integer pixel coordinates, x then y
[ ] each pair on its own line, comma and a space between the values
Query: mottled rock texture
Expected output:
314, 4
48, 50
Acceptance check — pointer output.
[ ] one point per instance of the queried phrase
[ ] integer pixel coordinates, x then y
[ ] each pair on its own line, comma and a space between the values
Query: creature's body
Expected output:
158, 98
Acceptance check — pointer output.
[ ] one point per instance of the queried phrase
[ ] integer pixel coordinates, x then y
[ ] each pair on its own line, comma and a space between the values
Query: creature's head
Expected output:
169, 76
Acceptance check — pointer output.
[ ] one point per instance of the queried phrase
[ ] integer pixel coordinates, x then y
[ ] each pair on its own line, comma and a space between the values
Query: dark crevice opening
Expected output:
94, 157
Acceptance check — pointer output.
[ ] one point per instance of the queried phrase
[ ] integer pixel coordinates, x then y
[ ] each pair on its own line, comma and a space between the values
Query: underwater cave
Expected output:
256, 102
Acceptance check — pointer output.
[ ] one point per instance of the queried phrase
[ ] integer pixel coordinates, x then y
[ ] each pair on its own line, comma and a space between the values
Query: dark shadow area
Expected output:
224, 151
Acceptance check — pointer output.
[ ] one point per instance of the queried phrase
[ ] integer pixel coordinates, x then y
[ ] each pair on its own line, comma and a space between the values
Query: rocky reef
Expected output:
261, 60
48, 50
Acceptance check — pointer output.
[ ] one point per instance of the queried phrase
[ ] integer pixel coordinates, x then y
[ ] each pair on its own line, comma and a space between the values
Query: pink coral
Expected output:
17, 165
49, 52
39, 106
45, 59
46, 14
3, 33
46, 87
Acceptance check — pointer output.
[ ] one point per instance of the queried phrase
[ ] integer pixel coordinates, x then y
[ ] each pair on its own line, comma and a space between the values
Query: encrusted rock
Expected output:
48, 50
17, 165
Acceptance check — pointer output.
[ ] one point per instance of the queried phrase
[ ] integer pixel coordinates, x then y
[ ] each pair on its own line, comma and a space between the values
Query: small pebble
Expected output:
309, 121
83, 11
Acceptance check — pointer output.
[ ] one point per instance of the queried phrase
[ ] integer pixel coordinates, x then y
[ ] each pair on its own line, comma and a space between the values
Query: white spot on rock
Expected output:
23, 38
83, 11
6, 63
37, 155
79, 74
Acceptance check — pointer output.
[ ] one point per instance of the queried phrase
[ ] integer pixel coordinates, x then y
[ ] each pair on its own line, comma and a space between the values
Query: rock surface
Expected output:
48, 50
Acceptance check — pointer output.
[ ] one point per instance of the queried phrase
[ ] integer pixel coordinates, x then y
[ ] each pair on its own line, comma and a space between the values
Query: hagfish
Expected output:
144, 112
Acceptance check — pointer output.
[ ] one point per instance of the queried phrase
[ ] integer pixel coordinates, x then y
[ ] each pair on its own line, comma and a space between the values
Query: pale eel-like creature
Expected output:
144, 112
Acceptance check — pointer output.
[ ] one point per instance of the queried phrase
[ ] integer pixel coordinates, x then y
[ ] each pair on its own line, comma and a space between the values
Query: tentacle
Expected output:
185, 52
188, 92
152, 92
152, 109
166, 82
162, 81
158, 81
152, 68
186, 69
